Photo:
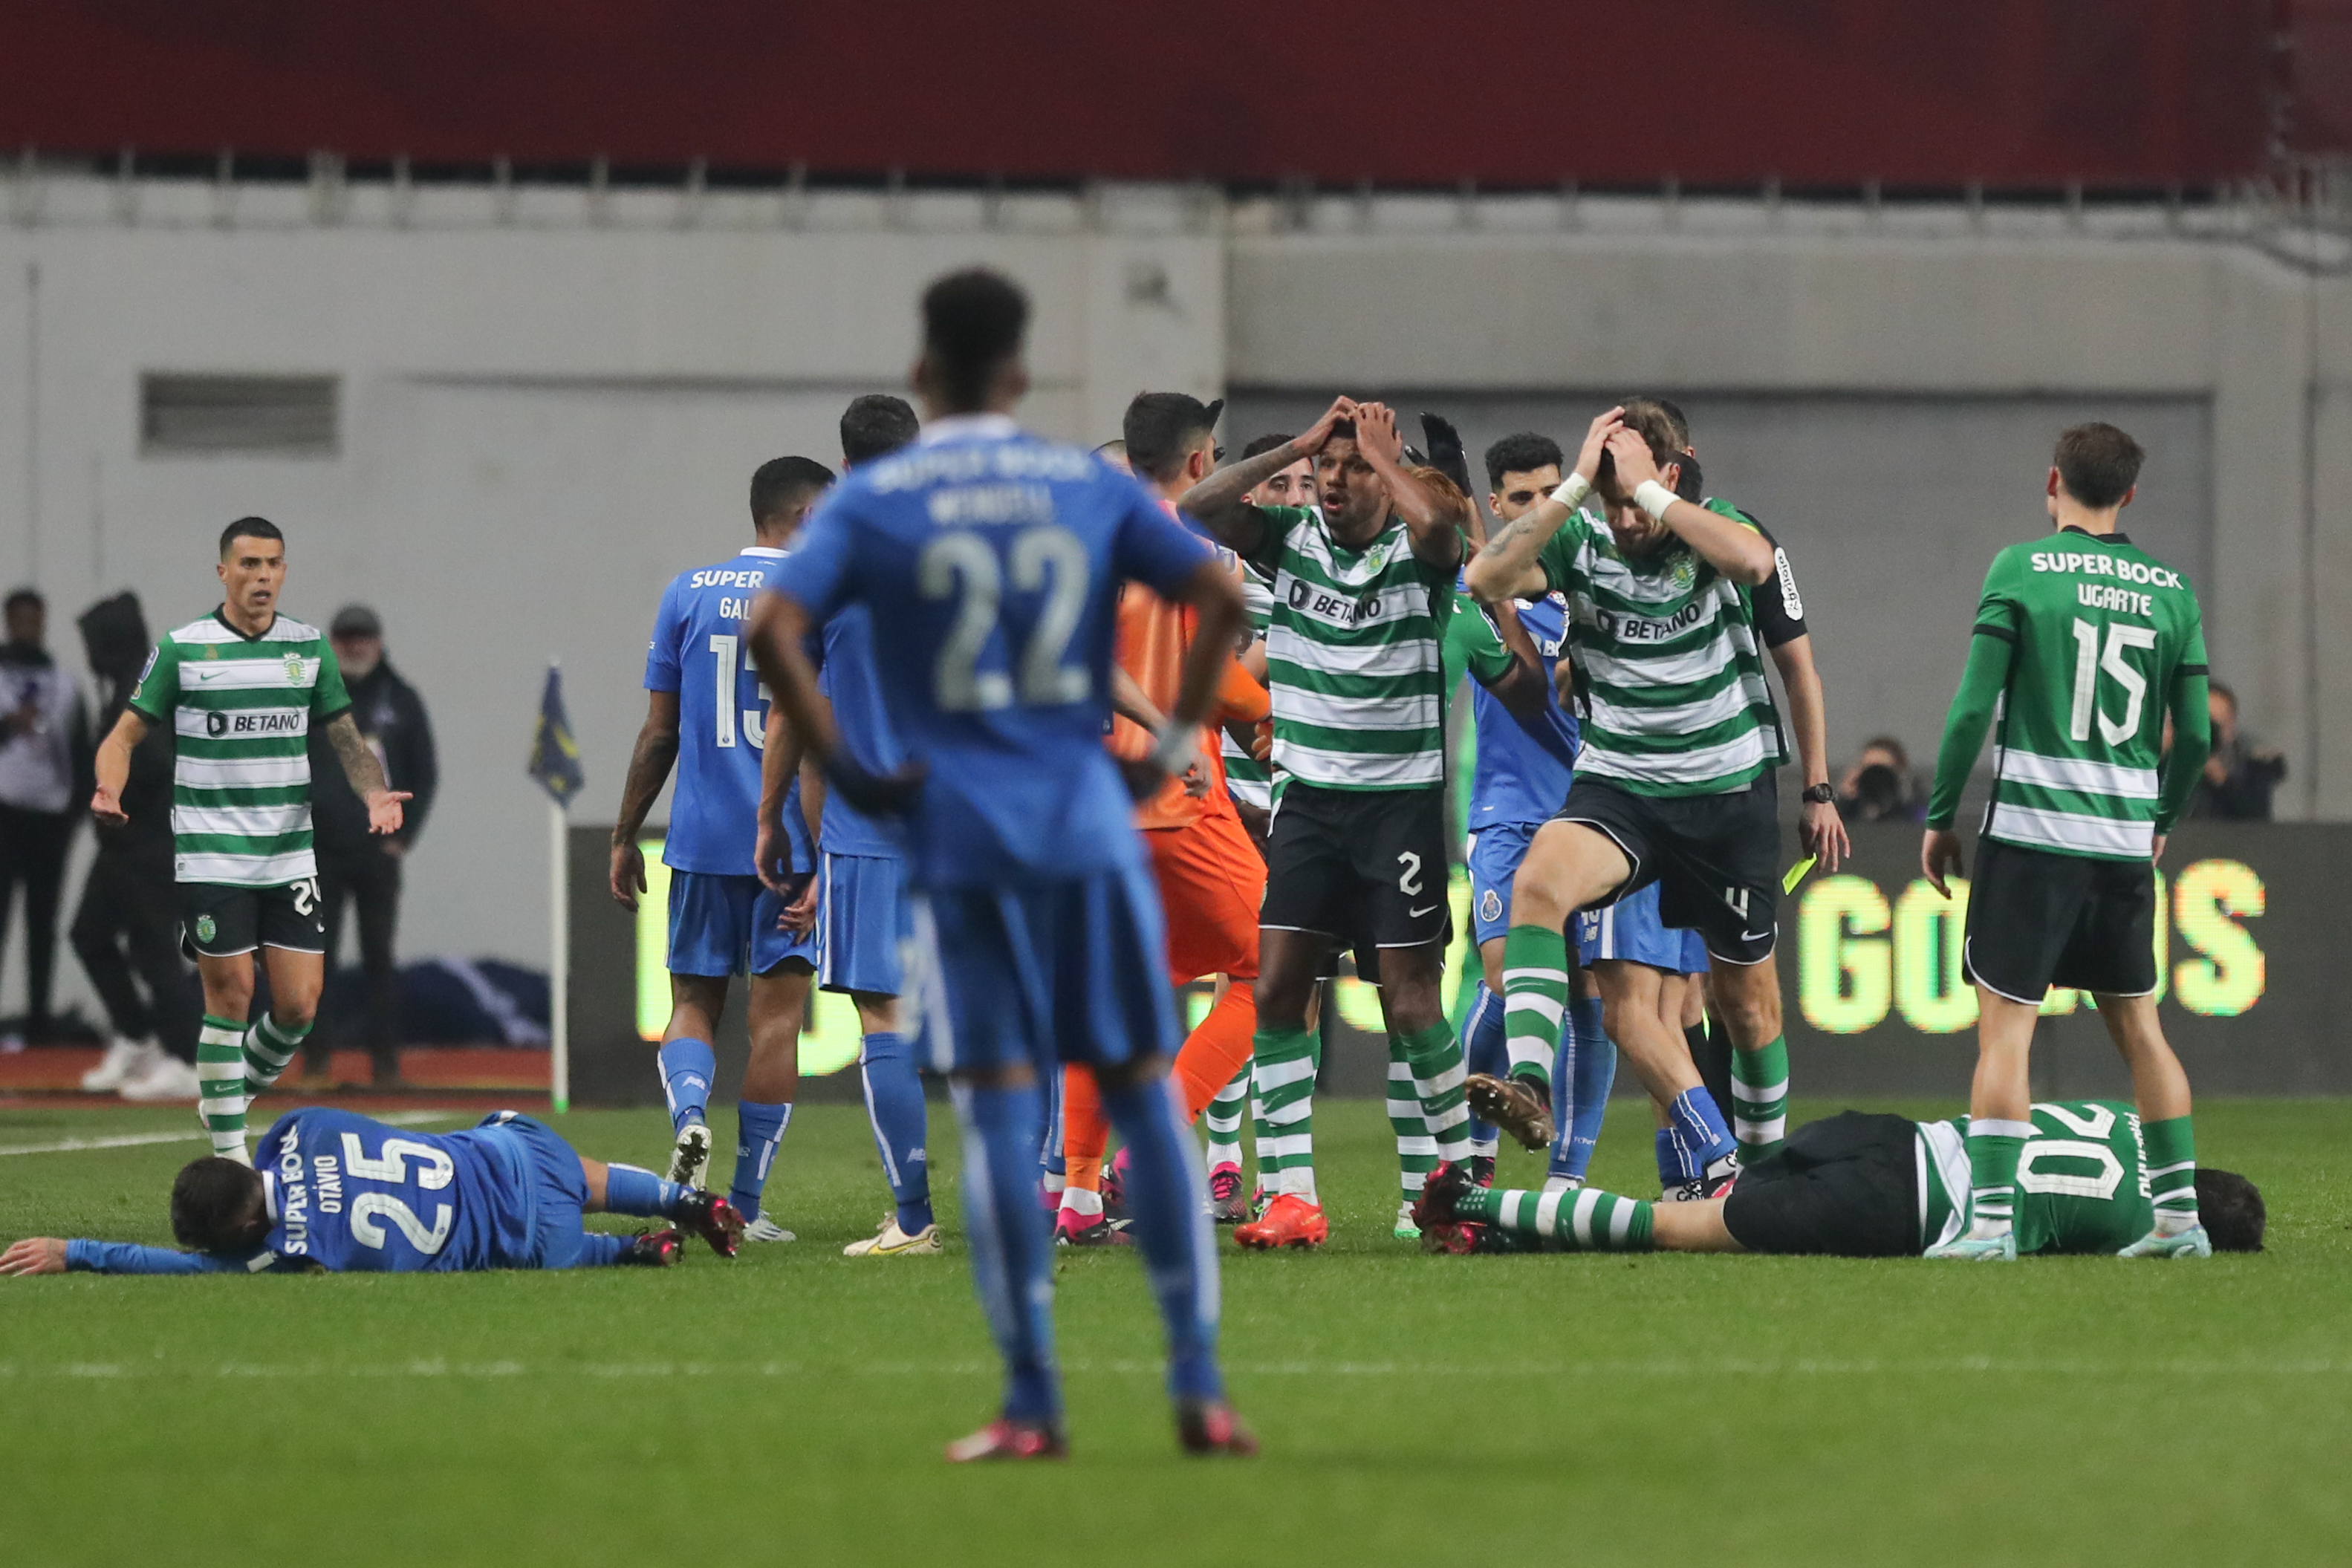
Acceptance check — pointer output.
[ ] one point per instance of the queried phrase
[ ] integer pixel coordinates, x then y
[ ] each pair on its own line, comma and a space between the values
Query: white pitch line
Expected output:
134, 1140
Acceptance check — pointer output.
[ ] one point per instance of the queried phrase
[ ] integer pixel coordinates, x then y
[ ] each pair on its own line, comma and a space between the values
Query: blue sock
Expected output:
688, 1066
631, 1189
1012, 1241
1485, 1047
601, 1251
895, 1109
1583, 1071
1669, 1162
759, 1130
1700, 1138
1049, 1145
1167, 1194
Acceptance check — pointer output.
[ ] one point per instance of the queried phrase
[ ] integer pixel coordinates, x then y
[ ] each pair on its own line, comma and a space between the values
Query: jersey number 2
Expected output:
962, 563
2089, 662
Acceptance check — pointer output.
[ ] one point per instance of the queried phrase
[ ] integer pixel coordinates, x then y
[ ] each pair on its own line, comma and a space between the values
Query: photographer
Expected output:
2239, 777
1879, 786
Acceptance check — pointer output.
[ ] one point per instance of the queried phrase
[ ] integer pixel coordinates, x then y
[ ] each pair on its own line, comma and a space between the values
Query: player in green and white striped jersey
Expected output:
2082, 643
241, 688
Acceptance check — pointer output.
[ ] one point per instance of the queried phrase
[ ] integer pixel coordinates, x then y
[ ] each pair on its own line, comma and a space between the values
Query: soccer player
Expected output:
341, 1193
995, 559
1675, 783
705, 713
1863, 1185
2082, 643
241, 688
1362, 585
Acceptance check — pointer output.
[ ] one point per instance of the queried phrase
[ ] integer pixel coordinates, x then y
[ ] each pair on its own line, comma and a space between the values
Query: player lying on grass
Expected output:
337, 1191
1863, 1185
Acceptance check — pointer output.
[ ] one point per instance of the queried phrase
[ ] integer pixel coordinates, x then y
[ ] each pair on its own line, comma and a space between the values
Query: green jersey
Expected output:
2099, 632
1247, 780
2082, 1180
241, 708
1666, 647
1352, 656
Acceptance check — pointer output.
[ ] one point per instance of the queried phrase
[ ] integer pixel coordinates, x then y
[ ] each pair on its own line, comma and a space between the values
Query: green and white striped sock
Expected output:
1535, 995
269, 1046
1222, 1120
1284, 1076
1435, 1056
1759, 1099
1416, 1150
2171, 1172
1584, 1220
1994, 1149
220, 1085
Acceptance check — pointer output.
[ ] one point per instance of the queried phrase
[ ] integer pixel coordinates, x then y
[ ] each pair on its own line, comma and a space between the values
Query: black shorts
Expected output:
217, 921
1715, 858
1847, 1187
1366, 866
2038, 920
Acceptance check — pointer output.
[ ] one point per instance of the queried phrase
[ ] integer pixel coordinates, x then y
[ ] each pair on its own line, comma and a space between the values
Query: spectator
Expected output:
354, 866
45, 756
2239, 777
127, 930
1879, 786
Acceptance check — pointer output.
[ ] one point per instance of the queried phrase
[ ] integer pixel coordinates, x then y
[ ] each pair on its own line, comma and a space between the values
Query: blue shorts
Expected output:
1495, 856
551, 1188
861, 920
1628, 929
1074, 971
721, 925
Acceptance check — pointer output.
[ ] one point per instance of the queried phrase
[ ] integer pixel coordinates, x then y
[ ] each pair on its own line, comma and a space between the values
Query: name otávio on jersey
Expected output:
2082, 1179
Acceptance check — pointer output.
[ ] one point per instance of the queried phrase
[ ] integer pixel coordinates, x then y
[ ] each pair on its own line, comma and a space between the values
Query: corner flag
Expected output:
555, 754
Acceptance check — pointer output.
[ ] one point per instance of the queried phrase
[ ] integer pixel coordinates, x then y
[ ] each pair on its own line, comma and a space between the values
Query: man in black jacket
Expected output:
354, 864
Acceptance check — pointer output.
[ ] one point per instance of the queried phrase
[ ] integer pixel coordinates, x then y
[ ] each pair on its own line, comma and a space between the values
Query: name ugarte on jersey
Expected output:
2096, 564
2102, 596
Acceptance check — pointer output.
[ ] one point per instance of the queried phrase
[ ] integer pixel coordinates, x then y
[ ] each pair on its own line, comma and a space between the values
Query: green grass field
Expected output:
789, 1407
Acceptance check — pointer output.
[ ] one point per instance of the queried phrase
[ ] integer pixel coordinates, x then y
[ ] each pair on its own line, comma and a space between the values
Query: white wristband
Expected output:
1655, 498
1176, 748
1572, 491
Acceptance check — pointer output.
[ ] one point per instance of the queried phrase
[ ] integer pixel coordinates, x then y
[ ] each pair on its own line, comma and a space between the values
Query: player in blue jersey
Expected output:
995, 561
338, 1191
706, 710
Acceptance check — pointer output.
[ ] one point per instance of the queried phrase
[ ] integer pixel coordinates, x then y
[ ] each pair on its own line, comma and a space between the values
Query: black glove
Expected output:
876, 794
1445, 452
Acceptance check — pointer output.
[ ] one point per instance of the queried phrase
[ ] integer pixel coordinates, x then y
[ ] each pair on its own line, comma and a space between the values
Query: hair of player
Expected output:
1162, 429
876, 425
2231, 1209
26, 595
248, 529
973, 322
1265, 443
1673, 413
1657, 423
1448, 492
1521, 453
782, 483
216, 1204
1343, 429
2097, 464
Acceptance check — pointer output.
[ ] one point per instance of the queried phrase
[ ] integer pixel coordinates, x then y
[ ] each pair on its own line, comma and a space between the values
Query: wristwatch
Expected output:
1823, 794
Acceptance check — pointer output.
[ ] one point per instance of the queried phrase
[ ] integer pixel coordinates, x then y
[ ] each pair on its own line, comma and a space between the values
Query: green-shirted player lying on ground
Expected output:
1861, 1185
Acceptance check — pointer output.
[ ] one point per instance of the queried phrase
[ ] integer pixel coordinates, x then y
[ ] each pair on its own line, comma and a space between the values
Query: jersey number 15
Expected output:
964, 565
2088, 664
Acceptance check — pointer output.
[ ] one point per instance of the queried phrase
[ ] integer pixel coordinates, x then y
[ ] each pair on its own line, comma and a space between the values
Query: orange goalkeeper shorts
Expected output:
1211, 882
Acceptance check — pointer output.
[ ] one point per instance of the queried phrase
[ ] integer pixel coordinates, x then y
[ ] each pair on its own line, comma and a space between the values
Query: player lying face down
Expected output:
337, 1192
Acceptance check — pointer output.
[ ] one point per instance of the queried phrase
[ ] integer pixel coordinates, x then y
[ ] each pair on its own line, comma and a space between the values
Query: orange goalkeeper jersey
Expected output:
1153, 637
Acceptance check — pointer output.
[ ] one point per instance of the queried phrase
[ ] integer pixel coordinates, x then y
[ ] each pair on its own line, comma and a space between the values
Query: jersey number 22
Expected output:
963, 564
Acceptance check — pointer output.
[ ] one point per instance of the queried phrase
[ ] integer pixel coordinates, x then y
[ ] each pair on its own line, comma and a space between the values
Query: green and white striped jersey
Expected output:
241, 708
2099, 632
1247, 780
1352, 656
1666, 650
2082, 1180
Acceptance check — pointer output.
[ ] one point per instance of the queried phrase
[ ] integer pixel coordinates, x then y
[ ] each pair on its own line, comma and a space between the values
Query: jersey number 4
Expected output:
963, 566
2088, 665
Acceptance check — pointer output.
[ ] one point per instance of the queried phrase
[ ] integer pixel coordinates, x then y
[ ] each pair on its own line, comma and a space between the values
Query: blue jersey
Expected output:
698, 651
849, 683
995, 559
352, 1194
1517, 778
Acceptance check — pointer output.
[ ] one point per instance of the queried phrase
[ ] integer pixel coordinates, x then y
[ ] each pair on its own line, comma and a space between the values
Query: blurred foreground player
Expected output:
996, 558
337, 1192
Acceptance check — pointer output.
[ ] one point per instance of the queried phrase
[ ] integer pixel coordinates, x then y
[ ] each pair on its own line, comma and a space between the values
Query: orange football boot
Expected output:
1289, 1222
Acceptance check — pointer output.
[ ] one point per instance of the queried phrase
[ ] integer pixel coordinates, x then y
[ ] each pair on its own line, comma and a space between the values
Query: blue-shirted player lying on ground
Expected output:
337, 1191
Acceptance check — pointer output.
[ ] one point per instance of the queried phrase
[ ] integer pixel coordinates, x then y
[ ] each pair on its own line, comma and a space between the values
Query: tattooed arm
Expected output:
1507, 567
365, 774
1221, 501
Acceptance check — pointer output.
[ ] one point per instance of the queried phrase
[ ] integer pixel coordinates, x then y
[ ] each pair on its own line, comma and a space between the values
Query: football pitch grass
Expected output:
789, 1407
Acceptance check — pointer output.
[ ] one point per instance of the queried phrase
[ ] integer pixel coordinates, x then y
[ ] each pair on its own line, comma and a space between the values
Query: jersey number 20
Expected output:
963, 564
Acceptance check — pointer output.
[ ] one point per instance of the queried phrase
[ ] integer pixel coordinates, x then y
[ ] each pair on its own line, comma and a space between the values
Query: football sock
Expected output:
1012, 1241
1484, 1050
220, 1083
1710, 1049
267, 1048
1699, 1136
760, 1129
1167, 1196
1670, 1165
1585, 1220
688, 1066
1416, 1150
1049, 1143
1535, 995
1584, 1072
1283, 1077
1085, 1130
599, 1251
1222, 1120
1993, 1150
631, 1189
1759, 1099
895, 1109
1214, 1050
1435, 1057
2171, 1172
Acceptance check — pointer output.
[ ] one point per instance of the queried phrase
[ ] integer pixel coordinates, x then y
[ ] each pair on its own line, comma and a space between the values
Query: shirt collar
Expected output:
2118, 537
960, 426
772, 551
270, 1194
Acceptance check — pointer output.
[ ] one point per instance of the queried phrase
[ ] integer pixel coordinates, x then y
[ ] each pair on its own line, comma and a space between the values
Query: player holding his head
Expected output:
706, 712
240, 689
2084, 643
995, 559
342, 1193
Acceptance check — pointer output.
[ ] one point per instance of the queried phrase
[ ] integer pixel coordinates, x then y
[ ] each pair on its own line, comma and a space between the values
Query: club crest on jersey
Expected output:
1490, 907
1378, 557
293, 669
1683, 573
206, 929
212, 651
